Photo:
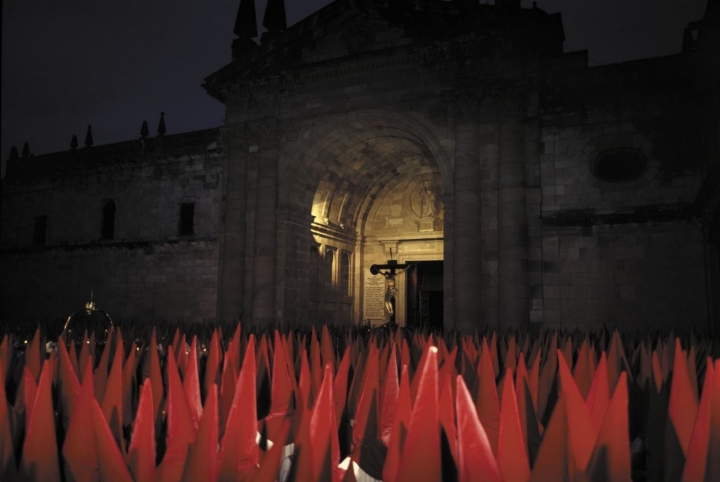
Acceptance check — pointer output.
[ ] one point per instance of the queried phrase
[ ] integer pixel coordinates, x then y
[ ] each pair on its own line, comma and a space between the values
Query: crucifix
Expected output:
392, 269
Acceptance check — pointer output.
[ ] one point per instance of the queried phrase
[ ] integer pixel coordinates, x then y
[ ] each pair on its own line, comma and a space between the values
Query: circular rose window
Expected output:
620, 165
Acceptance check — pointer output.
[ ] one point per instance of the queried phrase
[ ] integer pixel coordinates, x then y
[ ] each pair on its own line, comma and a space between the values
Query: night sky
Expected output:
113, 64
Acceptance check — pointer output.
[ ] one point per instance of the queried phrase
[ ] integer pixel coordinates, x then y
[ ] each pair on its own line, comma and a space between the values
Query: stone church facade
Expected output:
517, 185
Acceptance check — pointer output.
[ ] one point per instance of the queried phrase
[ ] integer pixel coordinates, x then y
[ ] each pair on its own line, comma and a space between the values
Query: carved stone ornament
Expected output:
464, 104
263, 132
476, 101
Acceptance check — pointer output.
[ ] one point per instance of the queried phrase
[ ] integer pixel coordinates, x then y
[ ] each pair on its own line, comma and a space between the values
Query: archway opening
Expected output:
377, 195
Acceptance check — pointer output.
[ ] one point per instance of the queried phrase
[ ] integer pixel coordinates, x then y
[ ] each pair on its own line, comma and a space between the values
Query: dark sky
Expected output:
113, 63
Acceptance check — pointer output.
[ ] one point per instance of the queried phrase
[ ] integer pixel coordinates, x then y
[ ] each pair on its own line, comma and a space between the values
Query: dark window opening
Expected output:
187, 218
40, 230
328, 272
345, 274
621, 164
107, 230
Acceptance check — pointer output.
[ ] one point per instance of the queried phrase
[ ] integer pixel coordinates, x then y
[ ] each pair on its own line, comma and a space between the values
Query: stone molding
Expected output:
487, 101
332, 232
437, 58
166, 245
640, 215
293, 216
263, 132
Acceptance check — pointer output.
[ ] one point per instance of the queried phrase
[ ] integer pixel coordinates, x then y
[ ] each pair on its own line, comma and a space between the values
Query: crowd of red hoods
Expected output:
341, 404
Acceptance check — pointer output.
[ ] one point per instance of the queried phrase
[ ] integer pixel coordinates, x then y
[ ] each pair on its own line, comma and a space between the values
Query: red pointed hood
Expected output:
180, 430
696, 462
420, 459
475, 455
401, 423
388, 397
212, 366
80, 446
239, 449
340, 386
7, 451
324, 445
141, 454
112, 401
40, 454
281, 387
327, 350
488, 403
583, 432
683, 406
111, 463
512, 456
611, 455
203, 455
34, 356
69, 385
191, 385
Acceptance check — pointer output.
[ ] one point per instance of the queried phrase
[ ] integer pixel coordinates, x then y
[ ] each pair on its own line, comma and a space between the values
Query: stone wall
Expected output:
147, 269
627, 253
156, 282
632, 276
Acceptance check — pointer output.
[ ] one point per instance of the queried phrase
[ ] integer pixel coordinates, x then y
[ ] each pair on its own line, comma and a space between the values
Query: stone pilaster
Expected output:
448, 264
265, 135
231, 272
512, 218
467, 255
293, 266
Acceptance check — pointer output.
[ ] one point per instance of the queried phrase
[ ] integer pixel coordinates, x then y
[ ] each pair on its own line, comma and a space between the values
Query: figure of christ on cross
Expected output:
393, 269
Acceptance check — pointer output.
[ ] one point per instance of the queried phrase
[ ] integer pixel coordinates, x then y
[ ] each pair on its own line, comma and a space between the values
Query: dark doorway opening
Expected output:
425, 295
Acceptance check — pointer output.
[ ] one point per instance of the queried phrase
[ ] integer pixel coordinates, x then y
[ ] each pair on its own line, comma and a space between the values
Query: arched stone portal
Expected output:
354, 190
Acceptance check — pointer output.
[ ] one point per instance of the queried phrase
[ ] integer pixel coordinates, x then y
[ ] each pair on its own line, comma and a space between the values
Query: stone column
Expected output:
231, 271
512, 220
467, 255
265, 245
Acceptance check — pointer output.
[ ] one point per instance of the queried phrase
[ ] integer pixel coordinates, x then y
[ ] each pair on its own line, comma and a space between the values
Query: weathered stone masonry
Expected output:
147, 271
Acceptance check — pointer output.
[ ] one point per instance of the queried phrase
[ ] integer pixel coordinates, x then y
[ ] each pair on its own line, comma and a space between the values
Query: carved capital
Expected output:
487, 100
263, 133
478, 101
464, 104
236, 135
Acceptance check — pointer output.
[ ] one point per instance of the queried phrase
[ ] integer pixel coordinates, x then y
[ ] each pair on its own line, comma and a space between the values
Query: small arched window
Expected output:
620, 165
107, 230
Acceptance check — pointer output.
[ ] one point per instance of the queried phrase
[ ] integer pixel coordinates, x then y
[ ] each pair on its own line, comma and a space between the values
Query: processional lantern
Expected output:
90, 319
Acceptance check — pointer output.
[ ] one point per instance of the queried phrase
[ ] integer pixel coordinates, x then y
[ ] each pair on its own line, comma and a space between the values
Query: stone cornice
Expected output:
81, 174
332, 232
113, 158
293, 216
639, 215
157, 245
